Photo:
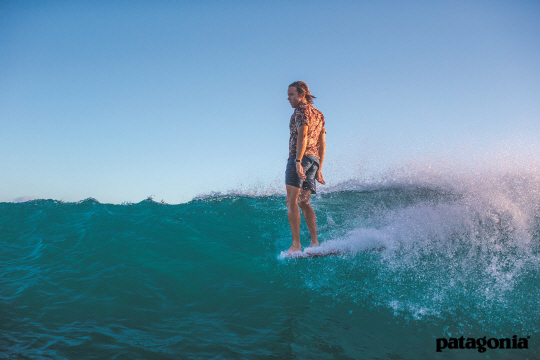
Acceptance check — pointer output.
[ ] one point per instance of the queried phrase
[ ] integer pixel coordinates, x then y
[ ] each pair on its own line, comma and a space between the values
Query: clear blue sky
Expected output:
119, 100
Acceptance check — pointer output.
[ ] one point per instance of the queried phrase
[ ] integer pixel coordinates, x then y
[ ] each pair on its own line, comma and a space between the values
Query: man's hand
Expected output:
319, 177
300, 171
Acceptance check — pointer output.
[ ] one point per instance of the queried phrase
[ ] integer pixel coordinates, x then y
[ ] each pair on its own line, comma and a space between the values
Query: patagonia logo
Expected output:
481, 344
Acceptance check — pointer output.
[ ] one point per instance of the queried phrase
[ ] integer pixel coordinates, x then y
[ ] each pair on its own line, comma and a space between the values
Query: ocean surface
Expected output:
455, 255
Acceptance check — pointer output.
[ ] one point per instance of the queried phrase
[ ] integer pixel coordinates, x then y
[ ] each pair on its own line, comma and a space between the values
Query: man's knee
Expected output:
292, 202
304, 203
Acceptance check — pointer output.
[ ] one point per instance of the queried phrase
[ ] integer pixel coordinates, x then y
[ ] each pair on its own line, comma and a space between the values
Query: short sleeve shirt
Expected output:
306, 114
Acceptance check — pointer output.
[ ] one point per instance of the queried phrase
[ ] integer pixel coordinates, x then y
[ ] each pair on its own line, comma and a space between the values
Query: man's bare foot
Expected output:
294, 248
314, 244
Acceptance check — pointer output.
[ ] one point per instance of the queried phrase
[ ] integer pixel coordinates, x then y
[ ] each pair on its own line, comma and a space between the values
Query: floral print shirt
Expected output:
306, 114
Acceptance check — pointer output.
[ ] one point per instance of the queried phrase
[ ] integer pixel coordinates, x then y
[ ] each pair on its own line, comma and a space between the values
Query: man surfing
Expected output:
306, 155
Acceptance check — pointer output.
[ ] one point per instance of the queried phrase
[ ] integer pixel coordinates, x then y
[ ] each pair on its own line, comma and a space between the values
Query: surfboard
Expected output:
311, 254
319, 252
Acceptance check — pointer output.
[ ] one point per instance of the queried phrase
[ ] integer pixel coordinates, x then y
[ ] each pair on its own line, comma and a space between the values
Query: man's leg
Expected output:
309, 215
294, 216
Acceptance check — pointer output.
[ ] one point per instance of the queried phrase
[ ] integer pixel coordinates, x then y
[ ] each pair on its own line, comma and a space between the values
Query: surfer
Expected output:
306, 155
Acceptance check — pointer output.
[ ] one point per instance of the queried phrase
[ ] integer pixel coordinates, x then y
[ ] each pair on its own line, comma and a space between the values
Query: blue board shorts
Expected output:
310, 165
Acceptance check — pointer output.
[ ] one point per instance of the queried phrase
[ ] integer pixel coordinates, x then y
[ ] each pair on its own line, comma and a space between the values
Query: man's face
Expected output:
294, 98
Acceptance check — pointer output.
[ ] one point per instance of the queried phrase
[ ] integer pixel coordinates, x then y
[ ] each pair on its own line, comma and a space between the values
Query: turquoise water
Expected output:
205, 279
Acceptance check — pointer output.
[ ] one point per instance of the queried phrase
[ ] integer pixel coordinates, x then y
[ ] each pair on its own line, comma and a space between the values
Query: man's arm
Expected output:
322, 147
301, 144
322, 152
